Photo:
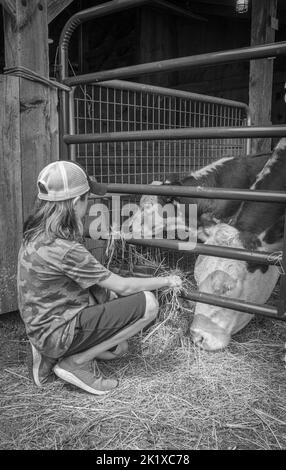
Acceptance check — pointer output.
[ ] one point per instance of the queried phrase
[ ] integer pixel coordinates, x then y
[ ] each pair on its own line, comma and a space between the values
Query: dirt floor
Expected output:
171, 396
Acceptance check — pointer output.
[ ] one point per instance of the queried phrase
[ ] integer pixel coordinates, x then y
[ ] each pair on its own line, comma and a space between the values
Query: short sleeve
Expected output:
83, 268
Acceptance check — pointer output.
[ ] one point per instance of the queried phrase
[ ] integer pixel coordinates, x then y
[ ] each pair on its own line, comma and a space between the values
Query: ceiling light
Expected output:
242, 6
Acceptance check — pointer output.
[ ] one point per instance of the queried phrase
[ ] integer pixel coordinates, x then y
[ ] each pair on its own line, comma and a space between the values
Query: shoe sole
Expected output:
72, 379
36, 364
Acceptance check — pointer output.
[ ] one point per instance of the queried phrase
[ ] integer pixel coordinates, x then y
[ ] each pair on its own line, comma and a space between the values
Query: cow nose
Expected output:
197, 338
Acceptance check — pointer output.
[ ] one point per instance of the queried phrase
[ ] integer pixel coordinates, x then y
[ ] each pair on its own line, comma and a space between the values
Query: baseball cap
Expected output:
62, 180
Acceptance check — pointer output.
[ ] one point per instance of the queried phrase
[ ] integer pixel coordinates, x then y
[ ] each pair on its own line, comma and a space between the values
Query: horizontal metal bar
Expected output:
105, 9
112, 7
162, 91
198, 192
212, 58
176, 134
97, 11
233, 304
207, 250
80, 17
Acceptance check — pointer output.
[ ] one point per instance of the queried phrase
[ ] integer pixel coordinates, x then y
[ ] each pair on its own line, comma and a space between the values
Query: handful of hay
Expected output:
175, 314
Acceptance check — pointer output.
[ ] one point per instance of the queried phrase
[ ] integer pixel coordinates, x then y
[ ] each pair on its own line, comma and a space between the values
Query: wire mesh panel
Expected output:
124, 106
120, 106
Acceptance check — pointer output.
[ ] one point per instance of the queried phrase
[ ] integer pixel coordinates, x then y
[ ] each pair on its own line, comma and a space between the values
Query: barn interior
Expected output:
151, 33
231, 94
173, 395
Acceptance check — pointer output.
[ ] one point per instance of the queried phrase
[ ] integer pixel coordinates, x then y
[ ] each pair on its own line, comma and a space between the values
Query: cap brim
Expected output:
97, 188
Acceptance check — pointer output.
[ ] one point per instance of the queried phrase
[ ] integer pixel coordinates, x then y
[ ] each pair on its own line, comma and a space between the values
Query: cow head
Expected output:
151, 204
205, 214
150, 216
213, 326
147, 220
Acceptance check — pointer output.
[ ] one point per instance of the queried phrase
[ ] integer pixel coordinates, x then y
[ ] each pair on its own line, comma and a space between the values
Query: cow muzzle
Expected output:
208, 335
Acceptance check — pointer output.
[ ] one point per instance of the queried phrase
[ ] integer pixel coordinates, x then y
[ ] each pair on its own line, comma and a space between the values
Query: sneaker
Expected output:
40, 367
84, 376
116, 352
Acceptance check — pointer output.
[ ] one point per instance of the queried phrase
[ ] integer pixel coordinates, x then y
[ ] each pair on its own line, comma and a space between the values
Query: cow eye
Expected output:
229, 286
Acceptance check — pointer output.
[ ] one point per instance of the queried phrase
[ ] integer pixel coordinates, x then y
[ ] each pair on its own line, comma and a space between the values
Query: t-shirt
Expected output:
53, 281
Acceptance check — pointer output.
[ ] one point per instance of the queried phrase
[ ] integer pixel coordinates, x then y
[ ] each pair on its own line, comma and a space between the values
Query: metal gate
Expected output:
121, 106
111, 128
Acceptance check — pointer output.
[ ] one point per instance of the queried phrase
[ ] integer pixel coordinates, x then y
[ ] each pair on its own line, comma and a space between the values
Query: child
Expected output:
59, 283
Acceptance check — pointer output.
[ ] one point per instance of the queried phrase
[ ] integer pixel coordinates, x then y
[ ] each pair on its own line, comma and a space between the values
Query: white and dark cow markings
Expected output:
256, 225
231, 172
250, 225
261, 224
228, 172
213, 326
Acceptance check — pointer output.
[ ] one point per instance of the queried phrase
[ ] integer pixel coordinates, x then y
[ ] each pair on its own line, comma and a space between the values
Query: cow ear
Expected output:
206, 232
173, 182
222, 282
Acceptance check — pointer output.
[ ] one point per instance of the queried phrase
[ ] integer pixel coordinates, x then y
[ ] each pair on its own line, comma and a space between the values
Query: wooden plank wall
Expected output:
17, 174
55, 7
39, 135
261, 71
11, 190
28, 143
26, 45
33, 130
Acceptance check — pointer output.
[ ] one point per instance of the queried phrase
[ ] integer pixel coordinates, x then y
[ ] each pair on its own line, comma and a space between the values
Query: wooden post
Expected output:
156, 42
10, 191
29, 128
55, 7
26, 44
263, 25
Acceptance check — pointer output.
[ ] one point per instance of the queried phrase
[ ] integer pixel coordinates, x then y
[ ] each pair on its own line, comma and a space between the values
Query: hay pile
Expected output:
172, 396
175, 314
182, 398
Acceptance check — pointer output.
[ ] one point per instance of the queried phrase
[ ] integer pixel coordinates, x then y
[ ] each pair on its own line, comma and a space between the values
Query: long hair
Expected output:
53, 220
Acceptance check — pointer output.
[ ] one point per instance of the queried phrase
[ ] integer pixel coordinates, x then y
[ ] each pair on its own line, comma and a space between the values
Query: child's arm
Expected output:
132, 285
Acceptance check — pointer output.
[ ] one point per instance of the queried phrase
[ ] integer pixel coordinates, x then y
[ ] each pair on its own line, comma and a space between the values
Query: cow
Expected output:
227, 172
256, 225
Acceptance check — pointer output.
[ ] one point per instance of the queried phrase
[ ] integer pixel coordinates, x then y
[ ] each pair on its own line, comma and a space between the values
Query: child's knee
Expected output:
152, 306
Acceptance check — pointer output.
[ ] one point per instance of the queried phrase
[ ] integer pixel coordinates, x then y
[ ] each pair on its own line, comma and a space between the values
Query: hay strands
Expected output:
116, 240
169, 298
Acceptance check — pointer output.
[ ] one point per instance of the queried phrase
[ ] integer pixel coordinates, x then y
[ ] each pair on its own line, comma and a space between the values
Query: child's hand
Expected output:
112, 295
175, 281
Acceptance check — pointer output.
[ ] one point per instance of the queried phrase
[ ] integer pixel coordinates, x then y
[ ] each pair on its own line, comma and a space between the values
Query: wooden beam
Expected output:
215, 2
10, 191
9, 6
26, 45
227, 11
156, 41
261, 71
177, 10
55, 7
26, 37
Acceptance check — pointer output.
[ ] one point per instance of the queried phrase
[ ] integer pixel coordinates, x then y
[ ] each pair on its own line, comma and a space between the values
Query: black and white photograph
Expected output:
143, 229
